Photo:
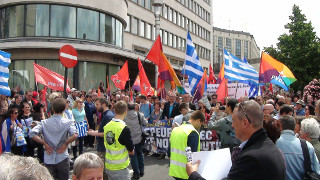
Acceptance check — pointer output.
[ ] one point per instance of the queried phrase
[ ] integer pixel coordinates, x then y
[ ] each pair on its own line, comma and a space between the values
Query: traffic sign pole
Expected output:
65, 82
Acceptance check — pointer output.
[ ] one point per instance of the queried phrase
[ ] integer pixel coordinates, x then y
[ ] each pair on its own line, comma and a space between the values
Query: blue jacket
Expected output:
90, 109
290, 146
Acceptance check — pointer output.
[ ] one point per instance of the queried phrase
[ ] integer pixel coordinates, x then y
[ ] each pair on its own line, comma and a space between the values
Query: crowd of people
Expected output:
264, 134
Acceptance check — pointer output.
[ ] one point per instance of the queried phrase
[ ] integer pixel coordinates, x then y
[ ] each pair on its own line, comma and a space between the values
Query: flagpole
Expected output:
235, 96
184, 65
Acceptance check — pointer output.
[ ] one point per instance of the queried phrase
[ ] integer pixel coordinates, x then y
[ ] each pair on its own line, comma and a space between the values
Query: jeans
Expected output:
122, 174
137, 160
60, 171
75, 149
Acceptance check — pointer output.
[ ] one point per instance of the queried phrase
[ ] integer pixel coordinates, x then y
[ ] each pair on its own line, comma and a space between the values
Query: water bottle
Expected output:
188, 153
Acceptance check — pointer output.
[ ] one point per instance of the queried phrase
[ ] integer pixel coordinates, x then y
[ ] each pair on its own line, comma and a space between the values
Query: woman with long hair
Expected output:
25, 118
9, 128
79, 115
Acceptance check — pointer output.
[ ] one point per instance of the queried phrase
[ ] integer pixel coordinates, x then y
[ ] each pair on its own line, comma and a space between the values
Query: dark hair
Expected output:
88, 95
37, 107
106, 102
232, 102
209, 98
22, 105
11, 110
272, 128
311, 109
197, 115
299, 119
59, 105
131, 106
159, 103
280, 103
287, 122
285, 109
143, 97
183, 106
252, 98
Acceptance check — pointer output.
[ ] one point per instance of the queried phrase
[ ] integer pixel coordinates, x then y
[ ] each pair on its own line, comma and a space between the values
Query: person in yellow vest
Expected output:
119, 145
181, 137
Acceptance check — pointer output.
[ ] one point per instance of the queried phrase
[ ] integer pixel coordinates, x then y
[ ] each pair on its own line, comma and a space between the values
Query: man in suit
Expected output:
171, 108
187, 99
258, 157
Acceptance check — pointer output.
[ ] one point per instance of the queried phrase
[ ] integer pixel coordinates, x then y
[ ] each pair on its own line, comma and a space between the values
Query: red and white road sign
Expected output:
68, 56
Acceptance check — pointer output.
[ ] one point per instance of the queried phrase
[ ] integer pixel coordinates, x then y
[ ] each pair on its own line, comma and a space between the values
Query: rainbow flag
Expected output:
173, 74
273, 71
201, 87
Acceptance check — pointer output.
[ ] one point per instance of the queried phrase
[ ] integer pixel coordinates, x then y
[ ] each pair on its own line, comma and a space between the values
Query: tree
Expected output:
299, 49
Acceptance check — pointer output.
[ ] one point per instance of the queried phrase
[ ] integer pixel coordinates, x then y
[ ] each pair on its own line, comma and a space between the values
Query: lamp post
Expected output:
157, 4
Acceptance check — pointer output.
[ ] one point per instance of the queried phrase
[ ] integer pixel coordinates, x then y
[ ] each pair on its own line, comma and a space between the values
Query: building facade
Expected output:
105, 34
239, 43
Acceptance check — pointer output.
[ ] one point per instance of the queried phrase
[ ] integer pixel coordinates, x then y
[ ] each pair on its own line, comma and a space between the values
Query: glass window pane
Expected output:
165, 11
37, 20
148, 4
178, 19
15, 20
3, 32
148, 31
102, 27
119, 33
87, 29
169, 14
22, 74
170, 40
174, 16
134, 29
141, 3
107, 27
128, 23
165, 38
63, 21
141, 29
91, 74
238, 48
174, 41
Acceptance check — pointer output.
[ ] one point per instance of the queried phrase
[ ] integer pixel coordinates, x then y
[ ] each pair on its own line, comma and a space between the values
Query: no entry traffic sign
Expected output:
68, 56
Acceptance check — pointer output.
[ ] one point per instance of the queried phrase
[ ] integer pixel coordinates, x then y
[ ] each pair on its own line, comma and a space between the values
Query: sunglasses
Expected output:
244, 112
15, 113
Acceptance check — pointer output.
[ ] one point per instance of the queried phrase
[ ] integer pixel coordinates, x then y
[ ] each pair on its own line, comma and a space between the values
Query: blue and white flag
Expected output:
82, 128
236, 69
192, 66
4, 73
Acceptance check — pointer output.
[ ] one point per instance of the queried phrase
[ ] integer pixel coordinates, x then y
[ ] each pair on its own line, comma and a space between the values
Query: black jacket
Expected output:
259, 159
166, 109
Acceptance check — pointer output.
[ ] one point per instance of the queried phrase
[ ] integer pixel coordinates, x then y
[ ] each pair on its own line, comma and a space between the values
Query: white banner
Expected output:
212, 88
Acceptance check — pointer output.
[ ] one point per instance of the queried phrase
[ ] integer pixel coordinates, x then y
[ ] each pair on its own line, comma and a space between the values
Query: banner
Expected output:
212, 88
159, 137
49, 78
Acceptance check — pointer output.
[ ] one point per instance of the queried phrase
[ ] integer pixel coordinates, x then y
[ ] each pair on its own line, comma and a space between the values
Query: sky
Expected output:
265, 20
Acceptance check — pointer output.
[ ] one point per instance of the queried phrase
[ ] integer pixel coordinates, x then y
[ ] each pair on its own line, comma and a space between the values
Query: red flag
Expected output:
131, 95
154, 53
211, 79
136, 85
222, 91
145, 85
49, 78
99, 92
201, 87
221, 74
271, 88
120, 79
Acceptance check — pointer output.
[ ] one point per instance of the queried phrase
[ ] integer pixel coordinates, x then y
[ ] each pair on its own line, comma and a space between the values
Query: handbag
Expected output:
309, 174
143, 134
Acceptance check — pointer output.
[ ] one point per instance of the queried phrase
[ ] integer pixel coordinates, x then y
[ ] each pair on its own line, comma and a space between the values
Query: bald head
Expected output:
253, 111
268, 109
243, 98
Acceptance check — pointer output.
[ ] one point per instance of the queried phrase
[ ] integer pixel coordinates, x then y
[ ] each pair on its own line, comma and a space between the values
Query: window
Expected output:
174, 16
91, 74
182, 21
165, 11
174, 40
169, 14
238, 48
15, 20
134, 25
245, 49
119, 31
141, 28
183, 44
63, 21
135, 1
37, 20
228, 45
179, 43
87, 29
107, 32
3, 31
128, 23
148, 31
170, 40
220, 44
141, 3
148, 4
178, 19
165, 38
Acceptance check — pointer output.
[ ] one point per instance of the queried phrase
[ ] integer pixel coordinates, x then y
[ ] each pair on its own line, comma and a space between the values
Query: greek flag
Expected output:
4, 73
82, 128
192, 66
236, 69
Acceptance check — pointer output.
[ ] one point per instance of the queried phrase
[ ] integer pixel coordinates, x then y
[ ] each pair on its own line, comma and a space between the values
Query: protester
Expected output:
118, 144
171, 108
16, 102
25, 119
135, 121
72, 97
28, 98
8, 132
258, 157
156, 113
88, 166
58, 132
309, 109
181, 137
22, 168
79, 115
286, 110
184, 110
90, 110
290, 146
310, 132
273, 129
187, 99
224, 125
268, 109
146, 108
298, 109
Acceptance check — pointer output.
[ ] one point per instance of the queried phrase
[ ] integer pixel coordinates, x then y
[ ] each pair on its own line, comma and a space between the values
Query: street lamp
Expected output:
157, 4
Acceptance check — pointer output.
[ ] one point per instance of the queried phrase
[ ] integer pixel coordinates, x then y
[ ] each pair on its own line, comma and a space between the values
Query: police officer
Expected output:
181, 137
118, 143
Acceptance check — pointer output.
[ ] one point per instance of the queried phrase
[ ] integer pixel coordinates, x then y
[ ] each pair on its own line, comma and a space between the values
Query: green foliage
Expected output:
299, 49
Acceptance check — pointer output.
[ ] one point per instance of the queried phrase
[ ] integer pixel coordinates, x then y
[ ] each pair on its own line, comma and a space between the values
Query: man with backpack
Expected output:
146, 108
